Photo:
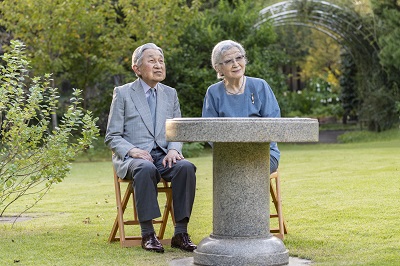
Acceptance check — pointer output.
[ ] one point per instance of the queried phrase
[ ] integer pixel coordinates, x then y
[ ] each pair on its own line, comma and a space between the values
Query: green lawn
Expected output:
340, 201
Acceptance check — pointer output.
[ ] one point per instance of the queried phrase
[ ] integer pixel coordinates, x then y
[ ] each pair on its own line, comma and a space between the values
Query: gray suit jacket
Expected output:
130, 124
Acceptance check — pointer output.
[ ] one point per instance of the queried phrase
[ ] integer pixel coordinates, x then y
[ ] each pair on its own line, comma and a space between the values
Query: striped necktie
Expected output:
152, 100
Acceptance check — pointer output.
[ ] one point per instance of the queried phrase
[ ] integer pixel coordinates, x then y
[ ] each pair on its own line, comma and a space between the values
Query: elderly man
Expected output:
136, 135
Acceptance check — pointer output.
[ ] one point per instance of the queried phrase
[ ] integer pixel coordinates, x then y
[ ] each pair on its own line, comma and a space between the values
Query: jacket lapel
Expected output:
140, 101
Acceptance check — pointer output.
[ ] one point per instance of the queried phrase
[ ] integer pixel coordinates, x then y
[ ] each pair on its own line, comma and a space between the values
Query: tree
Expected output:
70, 39
189, 68
386, 96
348, 83
33, 156
388, 12
88, 43
322, 60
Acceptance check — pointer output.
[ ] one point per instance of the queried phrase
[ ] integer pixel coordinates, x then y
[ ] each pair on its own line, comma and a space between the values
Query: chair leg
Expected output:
114, 230
276, 199
116, 226
279, 206
120, 222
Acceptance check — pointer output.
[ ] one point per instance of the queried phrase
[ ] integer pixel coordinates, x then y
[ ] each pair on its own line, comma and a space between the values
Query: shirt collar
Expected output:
146, 87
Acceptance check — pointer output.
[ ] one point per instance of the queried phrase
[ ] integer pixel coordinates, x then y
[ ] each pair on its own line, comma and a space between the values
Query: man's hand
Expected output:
171, 157
140, 154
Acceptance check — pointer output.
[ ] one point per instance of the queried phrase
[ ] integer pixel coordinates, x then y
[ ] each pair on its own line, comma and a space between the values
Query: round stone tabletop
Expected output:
222, 129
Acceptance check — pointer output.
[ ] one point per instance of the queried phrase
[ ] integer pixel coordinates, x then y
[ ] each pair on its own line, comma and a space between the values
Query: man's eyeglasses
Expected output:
230, 62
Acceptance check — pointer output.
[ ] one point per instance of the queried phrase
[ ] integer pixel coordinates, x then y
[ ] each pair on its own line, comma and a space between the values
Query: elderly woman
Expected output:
237, 95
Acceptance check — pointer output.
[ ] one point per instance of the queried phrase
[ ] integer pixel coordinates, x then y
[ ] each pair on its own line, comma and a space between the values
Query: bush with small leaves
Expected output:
33, 154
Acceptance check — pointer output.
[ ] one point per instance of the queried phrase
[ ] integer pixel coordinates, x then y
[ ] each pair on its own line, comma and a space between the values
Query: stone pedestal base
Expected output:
188, 261
241, 251
241, 233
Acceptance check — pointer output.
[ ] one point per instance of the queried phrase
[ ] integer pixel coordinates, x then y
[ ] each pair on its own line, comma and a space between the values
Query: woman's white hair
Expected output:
219, 50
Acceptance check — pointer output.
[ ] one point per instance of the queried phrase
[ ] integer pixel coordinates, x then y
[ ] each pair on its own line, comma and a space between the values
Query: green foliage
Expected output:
398, 107
189, 68
88, 43
295, 42
369, 136
379, 110
386, 93
98, 152
193, 149
349, 96
389, 38
318, 99
33, 156
70, 39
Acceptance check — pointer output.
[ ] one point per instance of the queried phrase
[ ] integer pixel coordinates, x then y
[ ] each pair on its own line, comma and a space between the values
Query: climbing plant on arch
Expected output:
356, 35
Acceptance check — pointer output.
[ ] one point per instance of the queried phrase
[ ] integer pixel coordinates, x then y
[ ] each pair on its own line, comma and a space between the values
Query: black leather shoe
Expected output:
183, 242
151, 243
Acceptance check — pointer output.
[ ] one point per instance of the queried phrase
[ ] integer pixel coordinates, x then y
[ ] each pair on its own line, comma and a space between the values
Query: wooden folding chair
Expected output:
120, 222
275, 191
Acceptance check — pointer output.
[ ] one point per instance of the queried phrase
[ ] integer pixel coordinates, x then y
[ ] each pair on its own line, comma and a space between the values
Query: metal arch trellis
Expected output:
343, 25
355, 33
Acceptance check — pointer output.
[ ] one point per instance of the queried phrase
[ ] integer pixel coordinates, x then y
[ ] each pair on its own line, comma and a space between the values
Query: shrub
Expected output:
193, 149
33, 155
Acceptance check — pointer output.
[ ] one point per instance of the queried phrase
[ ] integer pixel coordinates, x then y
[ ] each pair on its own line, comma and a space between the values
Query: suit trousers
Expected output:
273, 164
146, 175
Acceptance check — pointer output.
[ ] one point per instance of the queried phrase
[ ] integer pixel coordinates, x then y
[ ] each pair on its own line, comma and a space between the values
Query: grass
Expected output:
368, 136
340, 201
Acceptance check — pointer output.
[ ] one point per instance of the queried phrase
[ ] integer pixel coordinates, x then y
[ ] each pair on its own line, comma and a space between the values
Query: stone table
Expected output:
241, 233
